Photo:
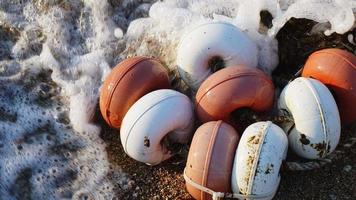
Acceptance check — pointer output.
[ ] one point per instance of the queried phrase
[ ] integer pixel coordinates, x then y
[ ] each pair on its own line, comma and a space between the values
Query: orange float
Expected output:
233, 88
336, 68
128, 81
210, 159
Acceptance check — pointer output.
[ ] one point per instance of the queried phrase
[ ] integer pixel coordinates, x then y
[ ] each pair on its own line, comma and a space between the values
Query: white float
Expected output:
259, 155
157, 116
213, 40
315, 130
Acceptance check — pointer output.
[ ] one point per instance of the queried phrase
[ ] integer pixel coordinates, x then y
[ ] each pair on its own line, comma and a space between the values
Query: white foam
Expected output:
339, 13
49, 150
49, 146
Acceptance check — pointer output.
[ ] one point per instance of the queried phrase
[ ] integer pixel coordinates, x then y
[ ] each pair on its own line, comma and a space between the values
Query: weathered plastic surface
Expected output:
232, 88
129, 81
211, 158
316, 129
216, 39
262, 148
336, 68
157, 116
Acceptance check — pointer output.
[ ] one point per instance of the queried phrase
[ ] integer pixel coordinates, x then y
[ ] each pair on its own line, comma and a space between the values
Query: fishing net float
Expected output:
155, 121
128, 81
233, 88
315, 130
222, 42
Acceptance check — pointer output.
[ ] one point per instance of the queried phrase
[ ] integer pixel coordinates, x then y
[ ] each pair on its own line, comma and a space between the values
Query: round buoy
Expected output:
210, 159
233, 88
210, 46
336, 68
315, 130
129, 81
156, 120
262, 148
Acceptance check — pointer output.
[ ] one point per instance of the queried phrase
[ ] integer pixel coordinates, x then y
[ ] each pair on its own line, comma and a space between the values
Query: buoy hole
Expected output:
266, 21
169, 142
216, 63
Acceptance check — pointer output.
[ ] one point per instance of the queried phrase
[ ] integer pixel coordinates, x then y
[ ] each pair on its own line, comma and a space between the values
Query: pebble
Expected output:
131, 183
118, 33
347, 168
351, 39
332, 197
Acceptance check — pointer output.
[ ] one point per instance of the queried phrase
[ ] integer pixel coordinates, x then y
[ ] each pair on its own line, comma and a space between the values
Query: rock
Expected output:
347, 168
332, 197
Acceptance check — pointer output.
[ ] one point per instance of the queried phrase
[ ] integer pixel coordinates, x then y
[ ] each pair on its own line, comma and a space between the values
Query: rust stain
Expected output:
255, 139
329, 147
249, 163
252, 143
321, 148
250, 139
146, 142
303, 139
269, 169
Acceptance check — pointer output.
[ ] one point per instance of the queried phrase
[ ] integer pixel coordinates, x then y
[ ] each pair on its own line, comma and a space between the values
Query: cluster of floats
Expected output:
137, 99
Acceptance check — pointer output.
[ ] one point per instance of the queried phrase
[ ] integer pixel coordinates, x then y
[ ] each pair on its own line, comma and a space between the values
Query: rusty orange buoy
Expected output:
210, 159
336, 68
128, 81
233, 88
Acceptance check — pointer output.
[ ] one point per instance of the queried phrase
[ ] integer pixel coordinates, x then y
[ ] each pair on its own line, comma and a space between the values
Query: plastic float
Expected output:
155, 120
232, 88
315, 130
215, 169
129, 81
336, 68
210, 159
213, 42
262, 148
